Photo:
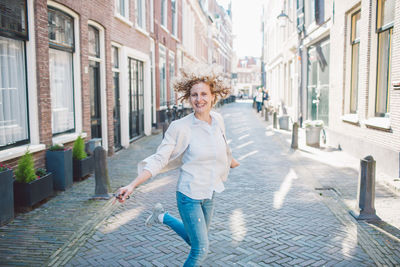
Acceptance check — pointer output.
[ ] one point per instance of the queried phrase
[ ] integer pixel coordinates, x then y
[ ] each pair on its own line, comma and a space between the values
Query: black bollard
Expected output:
266, 114
365, 209
275, 120
295, 136
101, 174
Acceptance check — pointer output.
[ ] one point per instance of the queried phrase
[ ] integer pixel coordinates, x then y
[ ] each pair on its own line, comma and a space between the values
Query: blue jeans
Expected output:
259, 106
196, 217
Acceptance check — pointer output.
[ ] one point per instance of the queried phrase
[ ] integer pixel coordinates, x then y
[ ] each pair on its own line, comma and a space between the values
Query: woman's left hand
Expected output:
234, 163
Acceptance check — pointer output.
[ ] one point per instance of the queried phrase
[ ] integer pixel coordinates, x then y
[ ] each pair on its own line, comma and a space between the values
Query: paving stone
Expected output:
269, 214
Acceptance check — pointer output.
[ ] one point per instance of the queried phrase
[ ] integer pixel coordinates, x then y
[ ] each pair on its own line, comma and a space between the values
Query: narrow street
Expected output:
269, 215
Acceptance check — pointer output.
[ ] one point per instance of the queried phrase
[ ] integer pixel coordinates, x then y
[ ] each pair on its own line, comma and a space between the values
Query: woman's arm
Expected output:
125, 191
234, 163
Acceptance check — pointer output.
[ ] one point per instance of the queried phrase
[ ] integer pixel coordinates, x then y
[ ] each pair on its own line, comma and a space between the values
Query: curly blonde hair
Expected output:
208, 74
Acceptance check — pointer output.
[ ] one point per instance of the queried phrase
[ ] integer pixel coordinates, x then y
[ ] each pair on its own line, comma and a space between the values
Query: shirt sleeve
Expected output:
156, 162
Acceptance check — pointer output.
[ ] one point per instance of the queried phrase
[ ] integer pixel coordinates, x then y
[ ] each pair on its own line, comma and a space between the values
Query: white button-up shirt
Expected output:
201, 152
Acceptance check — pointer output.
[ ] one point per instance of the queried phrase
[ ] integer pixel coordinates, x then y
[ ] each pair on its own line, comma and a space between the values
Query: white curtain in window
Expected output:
62, 91
13, 99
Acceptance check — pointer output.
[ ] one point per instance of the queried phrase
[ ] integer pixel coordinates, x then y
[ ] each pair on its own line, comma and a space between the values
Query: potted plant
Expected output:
6, 194
82, 163
59, 162
31, 186
313, 132
284, 122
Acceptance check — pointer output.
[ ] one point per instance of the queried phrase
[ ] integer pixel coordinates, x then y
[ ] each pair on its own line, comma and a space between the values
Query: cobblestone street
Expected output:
269, 215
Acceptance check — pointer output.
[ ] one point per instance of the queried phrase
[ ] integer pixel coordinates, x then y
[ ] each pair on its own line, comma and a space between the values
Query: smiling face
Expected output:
201, 98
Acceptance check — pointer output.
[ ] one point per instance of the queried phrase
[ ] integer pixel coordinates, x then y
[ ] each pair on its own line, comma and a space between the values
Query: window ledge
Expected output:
142, 31
380, 123
352, 118
175, 37
123, 19
165, 29
16, 152
66, 138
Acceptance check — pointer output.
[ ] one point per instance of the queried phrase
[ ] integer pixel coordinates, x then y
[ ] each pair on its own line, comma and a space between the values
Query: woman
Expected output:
197, 144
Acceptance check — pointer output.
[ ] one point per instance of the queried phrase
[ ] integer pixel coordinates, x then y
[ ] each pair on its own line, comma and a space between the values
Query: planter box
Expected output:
28, 194
313, 136
6, 197
60, 164
284, 122
83, 167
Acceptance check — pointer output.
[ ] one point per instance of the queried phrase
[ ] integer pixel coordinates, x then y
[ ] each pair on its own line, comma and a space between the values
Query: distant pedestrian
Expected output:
197, 144
259, 99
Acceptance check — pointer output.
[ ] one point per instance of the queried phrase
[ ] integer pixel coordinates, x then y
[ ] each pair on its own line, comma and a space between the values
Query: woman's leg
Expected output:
195, 224
176, 225
208, 210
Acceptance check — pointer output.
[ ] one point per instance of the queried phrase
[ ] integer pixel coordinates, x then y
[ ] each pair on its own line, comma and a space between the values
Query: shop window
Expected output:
385, 21
61, 42
14, 118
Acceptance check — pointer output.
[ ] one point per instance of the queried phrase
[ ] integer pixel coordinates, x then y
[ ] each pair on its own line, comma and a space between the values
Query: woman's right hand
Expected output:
122, 193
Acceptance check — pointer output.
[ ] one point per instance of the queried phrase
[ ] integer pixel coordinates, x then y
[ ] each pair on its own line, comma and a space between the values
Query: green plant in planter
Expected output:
317, 123
78, 150
4, 168
40, 172
57, 147
25, 172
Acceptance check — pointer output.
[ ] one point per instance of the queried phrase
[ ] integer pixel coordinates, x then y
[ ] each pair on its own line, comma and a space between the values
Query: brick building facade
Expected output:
101, 69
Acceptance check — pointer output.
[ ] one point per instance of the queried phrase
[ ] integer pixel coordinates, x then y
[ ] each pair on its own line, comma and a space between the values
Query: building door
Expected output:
136, 100
318, 82
95, 103
116, 113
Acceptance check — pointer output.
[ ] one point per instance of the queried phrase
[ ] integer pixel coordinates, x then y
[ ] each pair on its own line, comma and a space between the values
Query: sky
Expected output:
246, 16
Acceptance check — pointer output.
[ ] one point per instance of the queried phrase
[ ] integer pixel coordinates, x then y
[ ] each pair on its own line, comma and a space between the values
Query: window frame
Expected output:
28, 139
164, 14
174, 18
70, 50
354, 41
381, 29
17, 35
142, 23
126, 9
162, 53
65, 138
171, 67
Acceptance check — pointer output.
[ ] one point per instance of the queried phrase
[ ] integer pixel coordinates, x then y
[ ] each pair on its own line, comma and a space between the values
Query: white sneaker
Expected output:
153, 218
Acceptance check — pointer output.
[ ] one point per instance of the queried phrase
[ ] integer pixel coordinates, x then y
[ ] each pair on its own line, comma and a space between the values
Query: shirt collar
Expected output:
196, 121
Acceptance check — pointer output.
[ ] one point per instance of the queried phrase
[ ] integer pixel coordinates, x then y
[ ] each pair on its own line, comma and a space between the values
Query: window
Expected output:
95, 81
164, 13
385, 21
61, 42
140, 14
163, 81
171, 76
122, 8
355, 47
309, 6
152, 15
174, 17
117, 103
14, 128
